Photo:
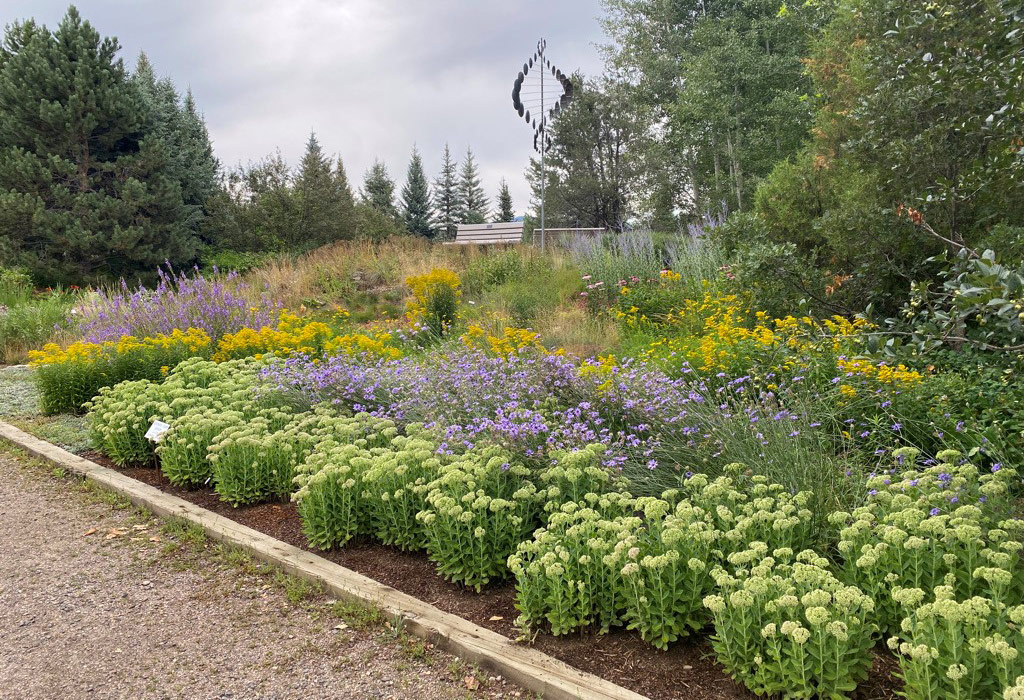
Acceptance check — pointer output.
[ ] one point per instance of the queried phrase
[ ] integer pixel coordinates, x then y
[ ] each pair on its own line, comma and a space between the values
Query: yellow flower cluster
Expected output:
602, 367
428, 287
292, 335
193, 340
878, 371
510, 342
359, 344
718, 332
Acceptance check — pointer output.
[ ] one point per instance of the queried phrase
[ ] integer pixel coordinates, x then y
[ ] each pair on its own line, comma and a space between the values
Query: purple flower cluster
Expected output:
218, 305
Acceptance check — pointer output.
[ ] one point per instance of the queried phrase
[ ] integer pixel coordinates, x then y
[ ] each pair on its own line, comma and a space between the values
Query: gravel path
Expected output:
99, 600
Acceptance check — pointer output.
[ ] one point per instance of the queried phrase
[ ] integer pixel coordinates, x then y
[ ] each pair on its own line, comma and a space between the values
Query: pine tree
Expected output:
87, 188
446, 197
505, 211
346, 203
379, 190
416, 209
318, 199
472, 200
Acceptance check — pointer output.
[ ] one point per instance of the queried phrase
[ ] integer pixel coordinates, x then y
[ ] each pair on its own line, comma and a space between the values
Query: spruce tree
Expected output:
416, 209
446, 197
379, 190
318, 199
505, 211
87, 189
472, 200
346, 202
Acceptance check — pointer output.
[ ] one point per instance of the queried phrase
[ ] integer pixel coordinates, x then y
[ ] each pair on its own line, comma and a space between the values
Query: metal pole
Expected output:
543, 142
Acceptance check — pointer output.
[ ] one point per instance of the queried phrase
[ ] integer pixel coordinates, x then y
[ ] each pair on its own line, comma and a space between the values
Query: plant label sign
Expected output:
157, 430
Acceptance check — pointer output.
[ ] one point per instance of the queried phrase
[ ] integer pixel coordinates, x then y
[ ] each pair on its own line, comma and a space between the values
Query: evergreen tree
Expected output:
416, 209
319, 200
505, 211
87, 188
379, 190
472, 200
446, 197
346, 203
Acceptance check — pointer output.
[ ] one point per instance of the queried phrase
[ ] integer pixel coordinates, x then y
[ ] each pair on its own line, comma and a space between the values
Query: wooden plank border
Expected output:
525, 666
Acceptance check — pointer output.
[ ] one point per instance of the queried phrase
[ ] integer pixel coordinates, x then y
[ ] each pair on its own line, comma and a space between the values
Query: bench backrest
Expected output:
487, 234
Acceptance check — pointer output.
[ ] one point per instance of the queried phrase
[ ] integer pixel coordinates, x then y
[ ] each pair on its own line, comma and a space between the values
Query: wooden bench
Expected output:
488, 234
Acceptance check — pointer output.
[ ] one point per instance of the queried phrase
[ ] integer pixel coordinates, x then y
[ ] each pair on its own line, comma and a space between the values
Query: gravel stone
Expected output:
93, 605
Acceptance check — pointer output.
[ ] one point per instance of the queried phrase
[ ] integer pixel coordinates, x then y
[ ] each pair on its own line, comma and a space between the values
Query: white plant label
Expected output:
157, 430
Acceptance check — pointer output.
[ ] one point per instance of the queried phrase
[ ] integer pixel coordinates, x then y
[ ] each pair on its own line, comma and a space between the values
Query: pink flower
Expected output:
586, 277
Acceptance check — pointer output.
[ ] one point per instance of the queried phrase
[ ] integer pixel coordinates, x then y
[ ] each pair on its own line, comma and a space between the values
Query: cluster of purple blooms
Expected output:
218, 304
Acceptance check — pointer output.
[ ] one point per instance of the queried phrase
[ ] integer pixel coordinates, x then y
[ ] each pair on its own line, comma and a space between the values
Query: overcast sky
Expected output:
371, 77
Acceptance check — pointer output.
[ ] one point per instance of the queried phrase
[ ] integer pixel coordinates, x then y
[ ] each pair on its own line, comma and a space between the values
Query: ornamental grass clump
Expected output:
119, 418
480, 507
662, 560
952, 649
790, 628
394, 490
562, 580
922, 525
256, 461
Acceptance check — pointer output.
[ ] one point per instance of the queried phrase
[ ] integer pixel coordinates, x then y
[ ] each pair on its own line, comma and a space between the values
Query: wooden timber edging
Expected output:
525, 666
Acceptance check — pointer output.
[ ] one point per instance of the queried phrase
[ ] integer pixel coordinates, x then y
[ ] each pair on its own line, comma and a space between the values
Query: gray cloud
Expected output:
371, 77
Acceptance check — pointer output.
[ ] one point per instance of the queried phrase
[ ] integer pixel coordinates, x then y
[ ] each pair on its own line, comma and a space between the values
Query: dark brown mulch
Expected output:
687, 670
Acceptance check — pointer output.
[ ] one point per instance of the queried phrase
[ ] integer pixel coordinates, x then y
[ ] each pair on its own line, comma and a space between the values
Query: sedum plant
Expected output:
255, 461
119, 418
184, 449
662, 560
562, 579
958, 649
328, 497
790, 628
479, 508
748, 508
576, 475
921, 526
394, 490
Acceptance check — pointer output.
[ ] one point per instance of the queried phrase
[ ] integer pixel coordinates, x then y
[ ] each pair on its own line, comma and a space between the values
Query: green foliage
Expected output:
958, 648
562, 579
663, 560
328, 498
447, 203
480, 508
416, 208
119, 417
790, 627
323, 202
501, 266
922, 527
32, 321
184, 448
471, 197
379, 190
578, 476
505, 212
103, 181
15, 286
256, 461
394, 490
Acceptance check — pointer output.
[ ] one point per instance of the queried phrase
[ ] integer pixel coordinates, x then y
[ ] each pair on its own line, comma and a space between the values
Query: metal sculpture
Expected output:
528, 95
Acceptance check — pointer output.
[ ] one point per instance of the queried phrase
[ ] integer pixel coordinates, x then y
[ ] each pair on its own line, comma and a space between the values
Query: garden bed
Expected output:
686, 670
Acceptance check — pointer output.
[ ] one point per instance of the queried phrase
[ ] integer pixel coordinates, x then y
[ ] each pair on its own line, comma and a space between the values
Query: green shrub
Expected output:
958, 649
328, 499
578, 476
119, 418
15, 286
480, 507
790, 629
663, 560
184, 448
923, 527
561, 575
394, 491
256, 461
